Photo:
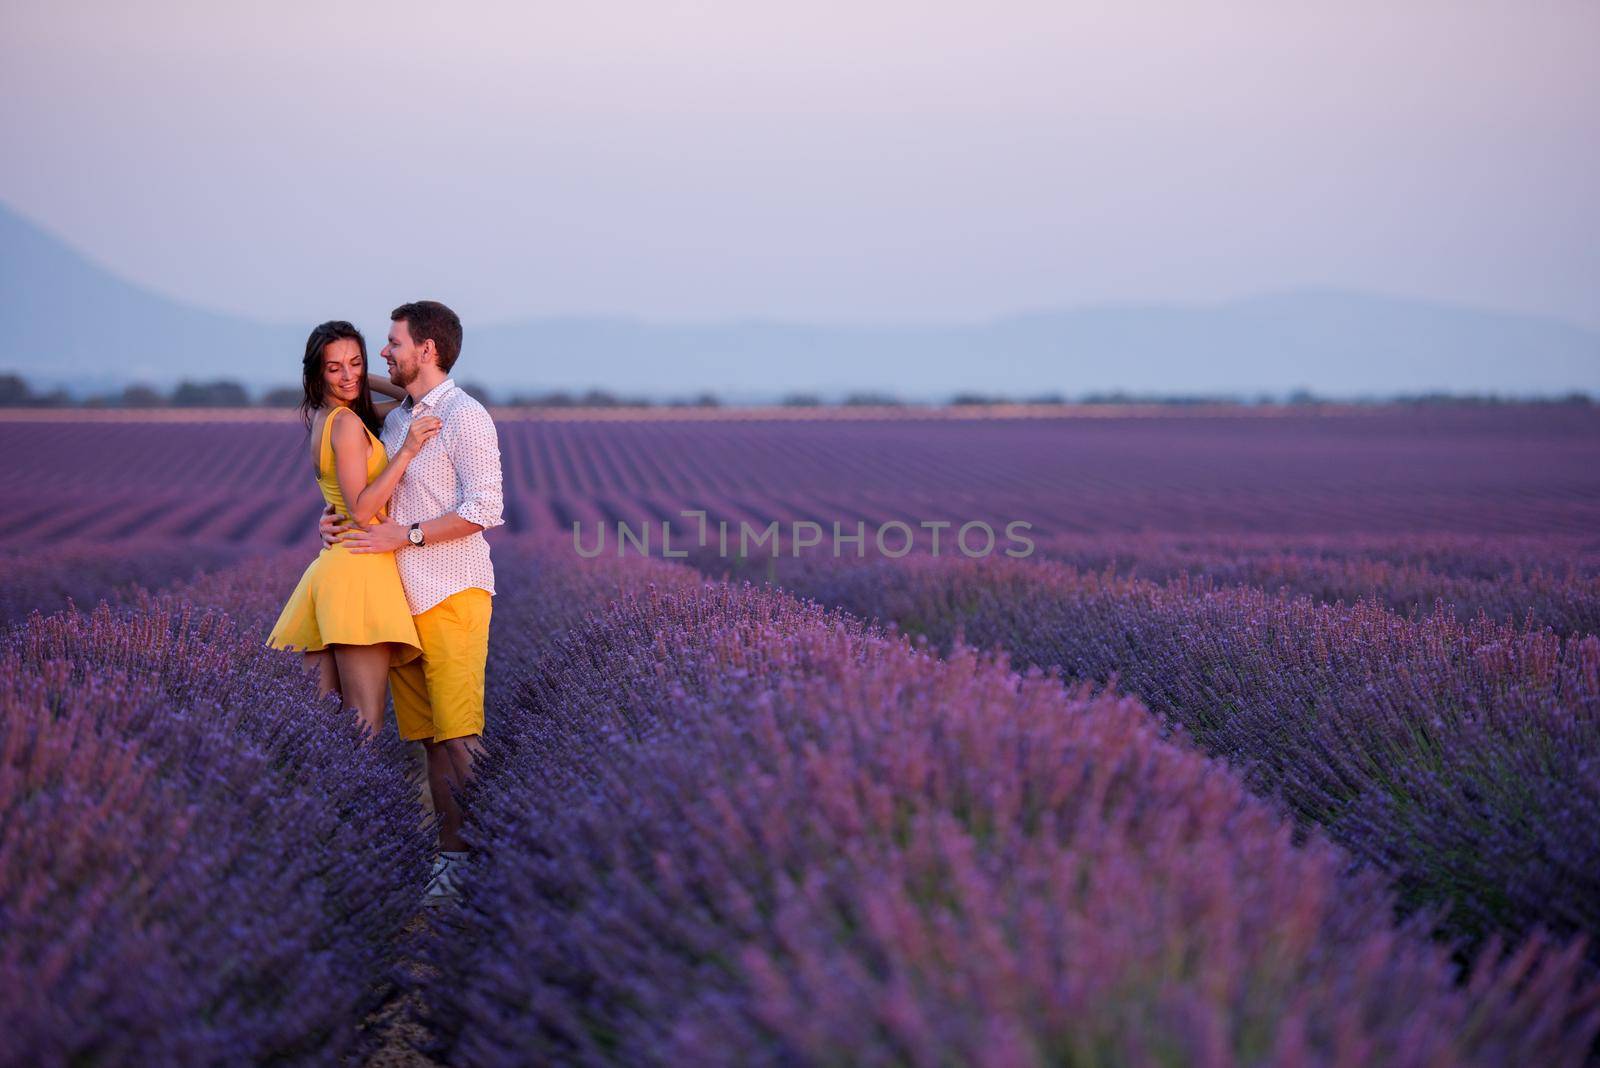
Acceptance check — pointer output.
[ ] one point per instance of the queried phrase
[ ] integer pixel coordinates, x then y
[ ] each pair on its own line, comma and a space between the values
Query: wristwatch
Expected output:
415, 534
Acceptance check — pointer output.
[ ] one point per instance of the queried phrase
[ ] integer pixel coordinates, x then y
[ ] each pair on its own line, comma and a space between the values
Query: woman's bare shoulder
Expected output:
347, 431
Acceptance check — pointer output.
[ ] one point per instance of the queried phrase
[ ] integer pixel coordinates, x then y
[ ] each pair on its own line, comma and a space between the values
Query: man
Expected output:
442, 505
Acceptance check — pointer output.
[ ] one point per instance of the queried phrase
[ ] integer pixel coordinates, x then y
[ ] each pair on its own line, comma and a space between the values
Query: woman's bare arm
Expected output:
350, 444
381, 384
385, 388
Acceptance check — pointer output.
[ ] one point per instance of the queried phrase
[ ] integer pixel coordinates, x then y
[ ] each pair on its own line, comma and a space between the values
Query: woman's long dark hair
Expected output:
335, 330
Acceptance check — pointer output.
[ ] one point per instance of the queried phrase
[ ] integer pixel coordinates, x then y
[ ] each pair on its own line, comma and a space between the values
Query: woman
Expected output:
349, 612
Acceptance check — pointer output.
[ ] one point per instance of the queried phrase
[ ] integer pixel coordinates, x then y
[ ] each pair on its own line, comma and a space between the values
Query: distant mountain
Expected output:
69, 322
1332, 342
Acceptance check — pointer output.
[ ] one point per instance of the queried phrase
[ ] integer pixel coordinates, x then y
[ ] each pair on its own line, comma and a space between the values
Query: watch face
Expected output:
416, 535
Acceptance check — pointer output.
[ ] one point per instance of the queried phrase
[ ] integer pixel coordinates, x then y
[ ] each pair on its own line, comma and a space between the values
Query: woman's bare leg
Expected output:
364, 677
322, 664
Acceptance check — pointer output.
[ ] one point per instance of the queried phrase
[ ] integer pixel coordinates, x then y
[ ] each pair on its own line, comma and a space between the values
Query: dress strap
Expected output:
326, 464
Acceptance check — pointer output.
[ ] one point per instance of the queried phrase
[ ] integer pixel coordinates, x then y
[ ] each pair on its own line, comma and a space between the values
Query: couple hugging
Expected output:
400, 596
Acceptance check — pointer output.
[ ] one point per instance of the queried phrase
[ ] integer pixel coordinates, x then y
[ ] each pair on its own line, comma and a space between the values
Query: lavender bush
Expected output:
1460, 757
728, 827
1556, 581
251, 592
47, 578
200, 864
545, 591
1553, 582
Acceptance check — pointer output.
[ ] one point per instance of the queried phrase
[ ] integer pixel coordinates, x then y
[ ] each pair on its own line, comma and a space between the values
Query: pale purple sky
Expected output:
826, 161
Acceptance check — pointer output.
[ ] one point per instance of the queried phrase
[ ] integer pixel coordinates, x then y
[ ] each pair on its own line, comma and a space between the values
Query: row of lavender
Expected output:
1461, 758
49, 578
722, 826
1555, 582
199, 864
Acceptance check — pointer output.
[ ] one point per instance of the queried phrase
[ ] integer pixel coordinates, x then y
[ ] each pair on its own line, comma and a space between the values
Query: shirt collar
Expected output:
433, 396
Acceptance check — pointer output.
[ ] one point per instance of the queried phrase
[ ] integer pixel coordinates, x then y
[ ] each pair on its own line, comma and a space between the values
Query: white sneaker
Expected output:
442, 886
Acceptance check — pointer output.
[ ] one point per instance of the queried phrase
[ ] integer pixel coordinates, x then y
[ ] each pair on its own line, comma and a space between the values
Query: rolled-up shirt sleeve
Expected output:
476, 456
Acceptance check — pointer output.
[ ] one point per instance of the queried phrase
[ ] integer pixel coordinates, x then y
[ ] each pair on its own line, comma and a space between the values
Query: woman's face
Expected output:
342, 370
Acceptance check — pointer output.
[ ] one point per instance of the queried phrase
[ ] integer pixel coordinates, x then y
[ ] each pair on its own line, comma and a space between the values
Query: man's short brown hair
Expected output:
430, 319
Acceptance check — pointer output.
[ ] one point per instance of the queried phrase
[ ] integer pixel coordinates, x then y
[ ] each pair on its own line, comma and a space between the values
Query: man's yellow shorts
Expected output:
440, 694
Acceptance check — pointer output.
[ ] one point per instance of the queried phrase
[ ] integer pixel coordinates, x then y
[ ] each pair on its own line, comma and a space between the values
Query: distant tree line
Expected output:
15, 392
596, 398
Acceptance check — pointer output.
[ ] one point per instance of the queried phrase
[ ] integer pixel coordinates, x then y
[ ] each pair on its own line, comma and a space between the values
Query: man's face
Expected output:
402, 354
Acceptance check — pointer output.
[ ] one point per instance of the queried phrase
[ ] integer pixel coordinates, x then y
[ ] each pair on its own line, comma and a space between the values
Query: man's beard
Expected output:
400, 378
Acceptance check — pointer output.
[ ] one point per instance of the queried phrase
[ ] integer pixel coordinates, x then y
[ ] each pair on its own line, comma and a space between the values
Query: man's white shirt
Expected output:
458, 471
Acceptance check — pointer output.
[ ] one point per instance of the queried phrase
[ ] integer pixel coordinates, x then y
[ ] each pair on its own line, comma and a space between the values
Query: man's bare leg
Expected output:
450, 764
419, 754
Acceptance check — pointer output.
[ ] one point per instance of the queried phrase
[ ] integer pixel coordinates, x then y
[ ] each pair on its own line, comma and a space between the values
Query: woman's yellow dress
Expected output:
347, 598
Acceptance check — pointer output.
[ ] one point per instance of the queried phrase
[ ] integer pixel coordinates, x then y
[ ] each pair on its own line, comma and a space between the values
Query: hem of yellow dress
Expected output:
415, 651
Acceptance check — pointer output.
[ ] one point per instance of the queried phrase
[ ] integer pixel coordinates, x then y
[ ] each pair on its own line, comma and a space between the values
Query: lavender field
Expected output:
1281, 747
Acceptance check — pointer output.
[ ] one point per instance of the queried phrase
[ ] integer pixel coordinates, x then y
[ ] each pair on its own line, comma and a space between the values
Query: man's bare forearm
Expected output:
447, 527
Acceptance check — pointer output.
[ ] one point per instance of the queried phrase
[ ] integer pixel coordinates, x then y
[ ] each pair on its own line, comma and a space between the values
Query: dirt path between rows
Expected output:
393, 1022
